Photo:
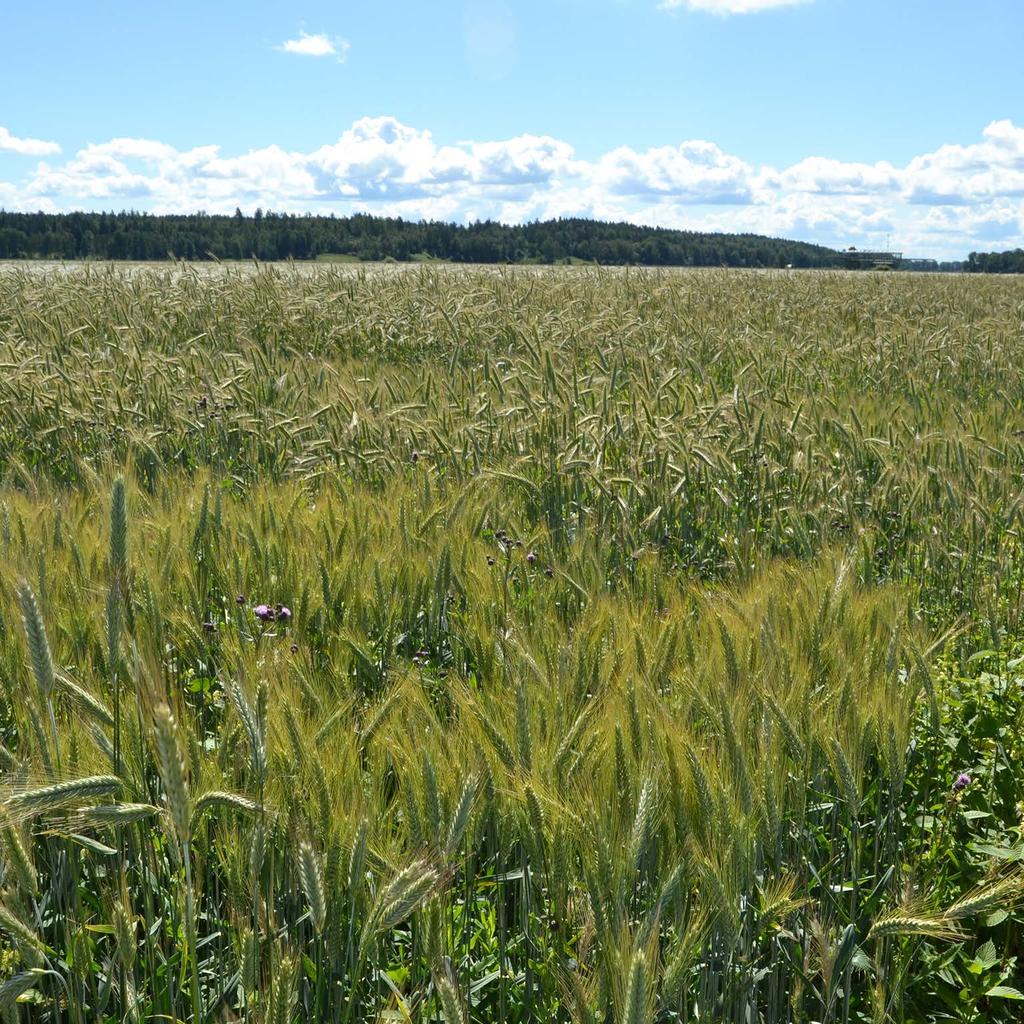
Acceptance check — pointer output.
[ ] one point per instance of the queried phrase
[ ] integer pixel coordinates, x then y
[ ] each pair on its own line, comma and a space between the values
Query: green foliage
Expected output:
1009, 262
274, 236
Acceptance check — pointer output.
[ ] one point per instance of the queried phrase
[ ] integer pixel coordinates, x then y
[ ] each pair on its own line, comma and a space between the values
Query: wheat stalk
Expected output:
173, 772
312, 877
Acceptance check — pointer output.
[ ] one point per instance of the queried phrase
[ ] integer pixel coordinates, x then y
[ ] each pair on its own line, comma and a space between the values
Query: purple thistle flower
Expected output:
283, 613
264, 612
240, 599
531, 557
963, 780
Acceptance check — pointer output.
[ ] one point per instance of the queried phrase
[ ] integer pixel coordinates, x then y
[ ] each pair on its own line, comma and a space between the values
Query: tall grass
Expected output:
604, 668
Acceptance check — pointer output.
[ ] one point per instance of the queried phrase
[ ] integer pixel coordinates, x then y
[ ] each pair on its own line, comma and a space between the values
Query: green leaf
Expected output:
310, 968
93, 844
1004, 992
987, 955
1002, 852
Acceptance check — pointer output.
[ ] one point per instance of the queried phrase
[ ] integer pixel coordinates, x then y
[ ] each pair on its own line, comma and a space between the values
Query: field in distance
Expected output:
510, 644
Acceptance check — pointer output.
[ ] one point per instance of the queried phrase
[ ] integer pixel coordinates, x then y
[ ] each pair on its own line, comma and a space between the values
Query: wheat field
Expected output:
510, 646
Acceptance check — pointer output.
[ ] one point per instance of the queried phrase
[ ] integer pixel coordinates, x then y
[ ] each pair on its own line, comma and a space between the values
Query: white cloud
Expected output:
695, 172
318, 45
27, 147
730, 6
834, 177
965, 175
944, 203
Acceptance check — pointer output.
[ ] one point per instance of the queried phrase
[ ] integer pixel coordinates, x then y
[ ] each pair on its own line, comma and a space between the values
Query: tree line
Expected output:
1009, 262
274, 236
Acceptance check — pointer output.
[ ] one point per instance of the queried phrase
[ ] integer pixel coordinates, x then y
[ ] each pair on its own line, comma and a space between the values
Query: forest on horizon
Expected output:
274, 236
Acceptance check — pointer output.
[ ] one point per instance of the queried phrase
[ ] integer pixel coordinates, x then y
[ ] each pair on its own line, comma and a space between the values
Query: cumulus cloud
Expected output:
379, 157
694, 172
318, 45
834, 177
27, 147
730, 6
960, 197
966, 175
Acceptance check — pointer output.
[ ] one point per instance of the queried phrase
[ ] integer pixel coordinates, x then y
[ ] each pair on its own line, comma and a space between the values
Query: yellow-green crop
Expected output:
503, 645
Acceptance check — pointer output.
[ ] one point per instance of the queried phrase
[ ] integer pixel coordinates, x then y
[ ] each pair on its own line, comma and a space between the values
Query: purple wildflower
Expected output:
264, 612
240, 599
531, 558
963, 780
283, 613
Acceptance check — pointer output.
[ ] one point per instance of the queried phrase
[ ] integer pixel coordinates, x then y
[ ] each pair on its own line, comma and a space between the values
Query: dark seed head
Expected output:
209, 627
240, 599
549, 572
295, 648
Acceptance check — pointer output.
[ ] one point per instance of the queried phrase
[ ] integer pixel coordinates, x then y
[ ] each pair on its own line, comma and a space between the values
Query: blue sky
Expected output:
841, 121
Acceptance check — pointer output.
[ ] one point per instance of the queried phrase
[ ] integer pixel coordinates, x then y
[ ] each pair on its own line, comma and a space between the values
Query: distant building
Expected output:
861, 258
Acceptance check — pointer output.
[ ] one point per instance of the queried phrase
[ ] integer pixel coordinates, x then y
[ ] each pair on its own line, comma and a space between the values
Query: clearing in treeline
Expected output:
510, 645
